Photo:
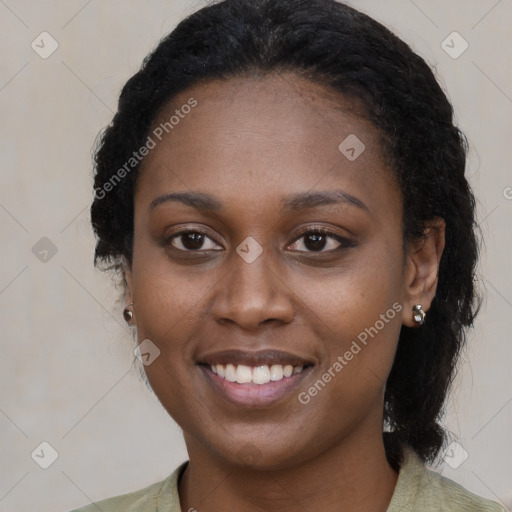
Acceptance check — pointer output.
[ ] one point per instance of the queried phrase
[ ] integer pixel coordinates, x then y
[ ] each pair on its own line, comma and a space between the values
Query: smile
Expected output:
243, 374
255, 386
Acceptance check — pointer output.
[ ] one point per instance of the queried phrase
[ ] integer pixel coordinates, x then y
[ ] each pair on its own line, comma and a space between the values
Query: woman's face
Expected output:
258, 165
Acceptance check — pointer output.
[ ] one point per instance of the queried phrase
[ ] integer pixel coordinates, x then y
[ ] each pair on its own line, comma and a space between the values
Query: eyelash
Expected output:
344, 242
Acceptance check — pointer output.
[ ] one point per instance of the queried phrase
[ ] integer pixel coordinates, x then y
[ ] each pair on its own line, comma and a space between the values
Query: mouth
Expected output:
257, 379
259, 375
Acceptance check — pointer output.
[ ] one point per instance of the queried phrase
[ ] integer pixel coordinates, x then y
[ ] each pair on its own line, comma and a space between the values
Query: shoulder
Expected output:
421, 489
162, 495
142, 500
455, 497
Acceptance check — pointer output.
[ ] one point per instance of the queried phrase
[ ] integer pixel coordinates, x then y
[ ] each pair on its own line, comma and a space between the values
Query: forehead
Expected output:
265, 135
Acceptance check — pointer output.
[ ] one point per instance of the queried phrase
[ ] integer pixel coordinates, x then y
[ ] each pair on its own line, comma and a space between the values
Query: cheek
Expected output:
358, 355
167, 296
357, 318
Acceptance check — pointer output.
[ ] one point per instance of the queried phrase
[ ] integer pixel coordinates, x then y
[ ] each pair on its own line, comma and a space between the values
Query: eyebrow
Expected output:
294, 202
197, 200
305, 200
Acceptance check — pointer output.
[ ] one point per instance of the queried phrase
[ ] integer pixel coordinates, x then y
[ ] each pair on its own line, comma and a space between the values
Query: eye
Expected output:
317, 239
191, 240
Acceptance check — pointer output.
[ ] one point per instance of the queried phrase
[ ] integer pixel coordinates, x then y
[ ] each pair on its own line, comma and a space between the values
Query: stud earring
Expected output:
418, 314
128, 313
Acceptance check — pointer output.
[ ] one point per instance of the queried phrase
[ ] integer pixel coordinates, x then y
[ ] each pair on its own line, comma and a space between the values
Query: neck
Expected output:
355, 473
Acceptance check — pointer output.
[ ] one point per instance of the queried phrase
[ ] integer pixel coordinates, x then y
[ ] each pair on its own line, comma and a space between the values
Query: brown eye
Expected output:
191, 240
317, 240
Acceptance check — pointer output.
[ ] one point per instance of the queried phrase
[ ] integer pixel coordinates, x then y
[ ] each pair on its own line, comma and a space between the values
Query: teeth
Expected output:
254, 374
243, 374
276, 372
261, 375
288, 370
230, 373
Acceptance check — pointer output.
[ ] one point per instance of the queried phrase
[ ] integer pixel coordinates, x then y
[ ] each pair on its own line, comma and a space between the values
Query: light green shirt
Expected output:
418, 489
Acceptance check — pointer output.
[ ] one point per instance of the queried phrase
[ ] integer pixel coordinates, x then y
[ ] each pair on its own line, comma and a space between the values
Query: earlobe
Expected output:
422, 270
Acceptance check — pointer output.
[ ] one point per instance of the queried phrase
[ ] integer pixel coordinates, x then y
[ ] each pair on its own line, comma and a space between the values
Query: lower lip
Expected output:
254, 395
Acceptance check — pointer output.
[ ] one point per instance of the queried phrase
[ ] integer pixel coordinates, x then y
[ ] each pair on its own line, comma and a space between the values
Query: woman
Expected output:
282, 191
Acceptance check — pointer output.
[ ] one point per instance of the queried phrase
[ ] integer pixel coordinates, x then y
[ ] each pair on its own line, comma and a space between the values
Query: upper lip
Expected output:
259, 358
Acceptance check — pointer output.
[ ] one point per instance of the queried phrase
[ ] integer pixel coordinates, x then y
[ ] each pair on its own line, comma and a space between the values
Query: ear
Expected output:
422, 270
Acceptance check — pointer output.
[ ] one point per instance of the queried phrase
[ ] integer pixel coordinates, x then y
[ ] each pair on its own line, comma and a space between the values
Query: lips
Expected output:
254, 379
254, 359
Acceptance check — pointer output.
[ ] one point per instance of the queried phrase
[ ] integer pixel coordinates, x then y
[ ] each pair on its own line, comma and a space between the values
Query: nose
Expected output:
252, 294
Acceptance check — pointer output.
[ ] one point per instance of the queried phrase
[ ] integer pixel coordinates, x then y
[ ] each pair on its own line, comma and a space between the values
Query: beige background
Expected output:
66, 372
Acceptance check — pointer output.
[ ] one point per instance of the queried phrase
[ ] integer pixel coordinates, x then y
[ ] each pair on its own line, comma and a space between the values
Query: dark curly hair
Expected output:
337, 46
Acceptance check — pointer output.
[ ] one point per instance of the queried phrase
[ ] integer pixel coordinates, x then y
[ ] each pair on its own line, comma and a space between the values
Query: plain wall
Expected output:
66, 367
